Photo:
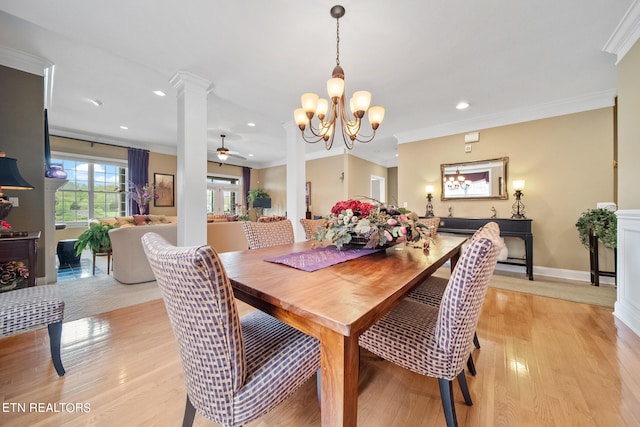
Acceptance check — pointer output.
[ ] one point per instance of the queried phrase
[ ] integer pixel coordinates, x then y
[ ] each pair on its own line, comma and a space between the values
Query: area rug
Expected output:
94, 295
582, 292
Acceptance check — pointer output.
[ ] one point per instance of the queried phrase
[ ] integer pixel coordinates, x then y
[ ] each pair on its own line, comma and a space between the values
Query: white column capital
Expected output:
183, 80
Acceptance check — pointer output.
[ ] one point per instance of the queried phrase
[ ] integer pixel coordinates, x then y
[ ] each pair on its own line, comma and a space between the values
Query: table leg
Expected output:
339, 369
454, 260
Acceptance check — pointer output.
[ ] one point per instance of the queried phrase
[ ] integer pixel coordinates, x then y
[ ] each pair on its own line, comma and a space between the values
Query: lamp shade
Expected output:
10, 178
518, 184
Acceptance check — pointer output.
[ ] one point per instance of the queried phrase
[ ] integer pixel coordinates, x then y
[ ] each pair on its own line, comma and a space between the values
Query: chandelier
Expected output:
313, 105
222, 152
458, 182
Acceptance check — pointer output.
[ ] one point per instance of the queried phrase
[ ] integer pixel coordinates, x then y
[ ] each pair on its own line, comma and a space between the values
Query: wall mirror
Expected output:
482, 179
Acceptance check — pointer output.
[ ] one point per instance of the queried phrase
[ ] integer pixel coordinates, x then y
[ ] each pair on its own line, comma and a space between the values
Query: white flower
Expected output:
349, 212
363, 226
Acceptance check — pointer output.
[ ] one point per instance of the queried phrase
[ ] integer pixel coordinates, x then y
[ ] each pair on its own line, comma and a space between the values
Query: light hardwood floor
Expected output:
543, 362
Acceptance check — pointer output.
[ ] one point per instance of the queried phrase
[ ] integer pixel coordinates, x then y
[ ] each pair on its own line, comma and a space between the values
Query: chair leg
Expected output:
55, 335
189, 414
475, 341
471, 366
462, 380
446, 394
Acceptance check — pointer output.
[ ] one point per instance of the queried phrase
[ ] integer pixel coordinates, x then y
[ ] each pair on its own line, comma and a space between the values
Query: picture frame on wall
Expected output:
164, 185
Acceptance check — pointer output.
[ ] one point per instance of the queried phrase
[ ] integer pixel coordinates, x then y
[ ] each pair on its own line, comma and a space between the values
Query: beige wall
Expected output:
164, 164
629, 129
567, 165
326, 186
274, 181
358, 177
392, 186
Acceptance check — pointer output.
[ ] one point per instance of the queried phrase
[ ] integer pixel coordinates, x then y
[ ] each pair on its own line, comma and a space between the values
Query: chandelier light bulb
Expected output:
335, 88
323, 108
309, 102
376, 114
301, 118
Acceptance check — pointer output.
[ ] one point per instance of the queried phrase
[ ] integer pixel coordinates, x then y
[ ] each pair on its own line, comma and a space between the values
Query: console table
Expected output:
508, 228
23, 248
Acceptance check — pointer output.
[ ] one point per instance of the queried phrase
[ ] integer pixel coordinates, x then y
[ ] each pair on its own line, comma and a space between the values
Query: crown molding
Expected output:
626, 33
32, 64
579, 104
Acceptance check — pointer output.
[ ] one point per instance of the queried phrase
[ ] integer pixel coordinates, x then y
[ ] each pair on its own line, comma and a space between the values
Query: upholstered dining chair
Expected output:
431, 290
311, 226
265, 234
437, 341
432, 223
236, 368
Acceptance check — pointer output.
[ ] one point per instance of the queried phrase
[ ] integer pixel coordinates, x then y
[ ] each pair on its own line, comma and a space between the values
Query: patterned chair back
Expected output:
265, 234
462, 300
432, 223
311, 226
203, 314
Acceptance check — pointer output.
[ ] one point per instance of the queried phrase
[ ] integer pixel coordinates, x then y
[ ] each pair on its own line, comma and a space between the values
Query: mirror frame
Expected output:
503, 193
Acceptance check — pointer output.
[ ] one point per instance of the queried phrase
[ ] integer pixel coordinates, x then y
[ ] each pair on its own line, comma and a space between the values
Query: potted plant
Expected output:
96, 237
258, 197
601, 223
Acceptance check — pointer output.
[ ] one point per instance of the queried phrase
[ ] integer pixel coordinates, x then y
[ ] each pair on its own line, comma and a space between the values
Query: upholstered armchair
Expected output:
236, 369
432, 223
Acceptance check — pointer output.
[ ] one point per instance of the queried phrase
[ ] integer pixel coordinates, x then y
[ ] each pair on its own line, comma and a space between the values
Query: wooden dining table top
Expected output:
346, 297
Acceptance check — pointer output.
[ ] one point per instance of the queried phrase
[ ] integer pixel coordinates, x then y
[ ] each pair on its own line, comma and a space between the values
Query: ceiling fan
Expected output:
224, 153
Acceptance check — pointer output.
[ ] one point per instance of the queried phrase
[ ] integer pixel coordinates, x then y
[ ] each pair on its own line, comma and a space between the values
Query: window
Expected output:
223, 194
96, 189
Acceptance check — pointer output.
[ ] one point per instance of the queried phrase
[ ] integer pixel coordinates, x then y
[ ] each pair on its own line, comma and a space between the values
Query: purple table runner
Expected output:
315, 259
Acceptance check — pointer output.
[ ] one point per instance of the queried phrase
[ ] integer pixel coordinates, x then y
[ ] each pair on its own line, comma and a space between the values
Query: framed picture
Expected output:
163, 183
308, 194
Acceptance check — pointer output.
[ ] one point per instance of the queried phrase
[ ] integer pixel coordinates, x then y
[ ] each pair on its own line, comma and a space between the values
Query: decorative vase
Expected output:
142, 209
56, 171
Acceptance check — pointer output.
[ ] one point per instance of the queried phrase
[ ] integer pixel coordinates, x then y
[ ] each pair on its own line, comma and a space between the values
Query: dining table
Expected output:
335, 304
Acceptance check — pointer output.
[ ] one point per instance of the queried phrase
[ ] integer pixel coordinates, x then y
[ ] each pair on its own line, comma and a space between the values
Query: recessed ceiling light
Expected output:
251, 124
159, 93
250, 155
96, 102
462, 105
124, 128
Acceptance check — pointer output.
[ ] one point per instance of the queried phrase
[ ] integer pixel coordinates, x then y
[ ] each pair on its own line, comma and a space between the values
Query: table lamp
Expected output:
517, 209
10, 179
429, 190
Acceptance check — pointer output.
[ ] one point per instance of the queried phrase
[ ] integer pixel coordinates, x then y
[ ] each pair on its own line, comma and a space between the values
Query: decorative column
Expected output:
51, 185
192, 157
296, 179
627, 306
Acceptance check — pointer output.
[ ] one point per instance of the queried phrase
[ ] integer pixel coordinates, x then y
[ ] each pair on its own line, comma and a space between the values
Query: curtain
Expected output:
246, 181
138, 164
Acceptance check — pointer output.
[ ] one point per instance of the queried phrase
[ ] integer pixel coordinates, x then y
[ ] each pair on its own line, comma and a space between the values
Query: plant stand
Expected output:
594, 262
108, 254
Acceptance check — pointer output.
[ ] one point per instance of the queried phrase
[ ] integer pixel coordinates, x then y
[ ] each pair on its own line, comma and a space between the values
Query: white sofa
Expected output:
130, 263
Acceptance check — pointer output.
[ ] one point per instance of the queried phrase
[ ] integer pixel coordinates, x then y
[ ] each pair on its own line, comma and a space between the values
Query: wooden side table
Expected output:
108, 254
23, 248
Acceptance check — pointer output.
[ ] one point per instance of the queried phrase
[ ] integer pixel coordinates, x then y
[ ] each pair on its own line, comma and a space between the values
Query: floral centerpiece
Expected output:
371, 225
142, 195
13, 274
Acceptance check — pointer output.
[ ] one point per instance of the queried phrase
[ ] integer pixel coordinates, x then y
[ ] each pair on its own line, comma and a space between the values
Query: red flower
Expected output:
5, 224
359, 208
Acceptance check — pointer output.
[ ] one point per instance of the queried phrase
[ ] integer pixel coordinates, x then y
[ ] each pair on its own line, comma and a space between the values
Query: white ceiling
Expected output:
511, 60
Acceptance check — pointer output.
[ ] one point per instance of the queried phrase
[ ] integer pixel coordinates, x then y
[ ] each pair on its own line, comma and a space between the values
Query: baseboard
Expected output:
558, 273
628, 314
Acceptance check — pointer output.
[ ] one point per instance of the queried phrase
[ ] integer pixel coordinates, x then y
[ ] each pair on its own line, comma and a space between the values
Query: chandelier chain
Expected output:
337, 41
